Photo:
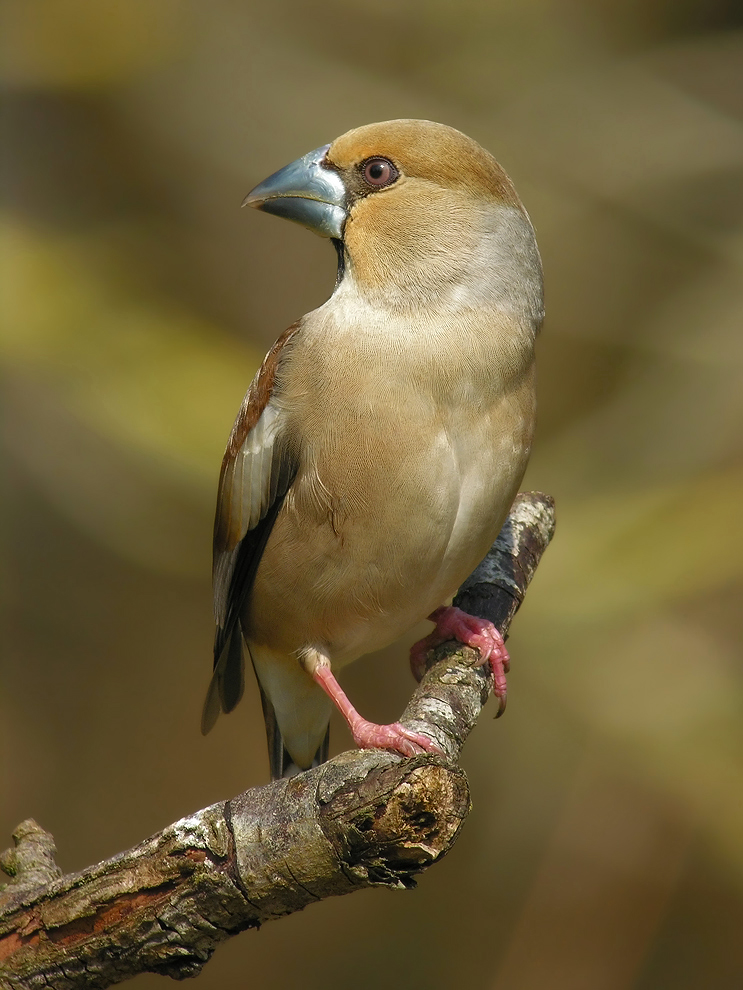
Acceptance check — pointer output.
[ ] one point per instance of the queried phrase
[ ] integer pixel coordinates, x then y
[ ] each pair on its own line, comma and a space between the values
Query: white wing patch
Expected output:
249, 487
254, 465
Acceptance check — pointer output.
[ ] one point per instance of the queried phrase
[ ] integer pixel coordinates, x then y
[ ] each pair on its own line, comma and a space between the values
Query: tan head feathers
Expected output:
426, 150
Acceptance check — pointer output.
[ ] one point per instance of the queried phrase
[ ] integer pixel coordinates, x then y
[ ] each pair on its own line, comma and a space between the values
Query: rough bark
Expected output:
366, 818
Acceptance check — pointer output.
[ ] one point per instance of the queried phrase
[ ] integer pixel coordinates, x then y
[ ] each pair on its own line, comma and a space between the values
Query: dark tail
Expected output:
282, 765
227, 683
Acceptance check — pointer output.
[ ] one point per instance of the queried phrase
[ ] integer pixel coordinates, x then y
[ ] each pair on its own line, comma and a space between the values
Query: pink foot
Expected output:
369, 735
453, 623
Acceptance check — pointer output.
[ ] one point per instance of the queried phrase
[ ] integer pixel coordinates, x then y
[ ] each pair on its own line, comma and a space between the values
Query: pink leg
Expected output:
453, 623
368, 735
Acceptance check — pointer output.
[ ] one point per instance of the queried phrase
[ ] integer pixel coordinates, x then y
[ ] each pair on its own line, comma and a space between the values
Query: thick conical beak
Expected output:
305, 192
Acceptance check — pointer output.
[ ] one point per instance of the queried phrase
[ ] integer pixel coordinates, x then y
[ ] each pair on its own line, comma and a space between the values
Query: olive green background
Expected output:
605, 846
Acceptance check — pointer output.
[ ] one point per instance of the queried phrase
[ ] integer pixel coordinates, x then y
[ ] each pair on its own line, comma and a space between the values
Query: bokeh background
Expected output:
605, 846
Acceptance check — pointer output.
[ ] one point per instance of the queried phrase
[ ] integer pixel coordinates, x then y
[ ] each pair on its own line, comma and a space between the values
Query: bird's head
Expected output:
417, 209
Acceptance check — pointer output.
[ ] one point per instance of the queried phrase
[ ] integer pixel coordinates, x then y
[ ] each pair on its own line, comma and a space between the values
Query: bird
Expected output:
381, 443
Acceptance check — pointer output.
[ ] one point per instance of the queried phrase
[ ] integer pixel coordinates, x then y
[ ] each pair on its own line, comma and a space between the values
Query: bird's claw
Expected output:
369, 735
480, 634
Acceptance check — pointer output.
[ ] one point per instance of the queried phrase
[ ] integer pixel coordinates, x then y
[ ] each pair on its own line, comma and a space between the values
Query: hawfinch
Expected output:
381, 443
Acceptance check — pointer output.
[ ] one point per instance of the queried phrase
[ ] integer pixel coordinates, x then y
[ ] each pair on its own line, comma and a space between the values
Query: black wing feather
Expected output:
228, 679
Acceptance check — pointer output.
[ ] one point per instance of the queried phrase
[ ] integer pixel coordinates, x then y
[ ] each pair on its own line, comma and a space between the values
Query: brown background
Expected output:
605, 847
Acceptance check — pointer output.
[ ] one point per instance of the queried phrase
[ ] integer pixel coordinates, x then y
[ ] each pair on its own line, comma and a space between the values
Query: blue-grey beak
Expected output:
305, 192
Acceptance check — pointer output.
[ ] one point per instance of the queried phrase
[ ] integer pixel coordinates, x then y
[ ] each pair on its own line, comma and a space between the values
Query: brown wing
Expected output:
258, 467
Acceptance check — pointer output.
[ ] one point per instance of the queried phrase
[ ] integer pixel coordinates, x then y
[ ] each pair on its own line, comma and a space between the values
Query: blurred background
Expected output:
605, 845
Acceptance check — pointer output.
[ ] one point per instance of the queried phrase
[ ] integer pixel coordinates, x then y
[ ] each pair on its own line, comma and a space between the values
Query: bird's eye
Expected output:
379, 172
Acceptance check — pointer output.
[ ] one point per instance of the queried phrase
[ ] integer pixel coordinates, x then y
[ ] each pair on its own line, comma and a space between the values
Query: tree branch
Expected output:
366, 818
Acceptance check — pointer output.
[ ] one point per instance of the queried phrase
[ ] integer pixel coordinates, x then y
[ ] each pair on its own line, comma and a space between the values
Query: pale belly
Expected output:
366, 545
